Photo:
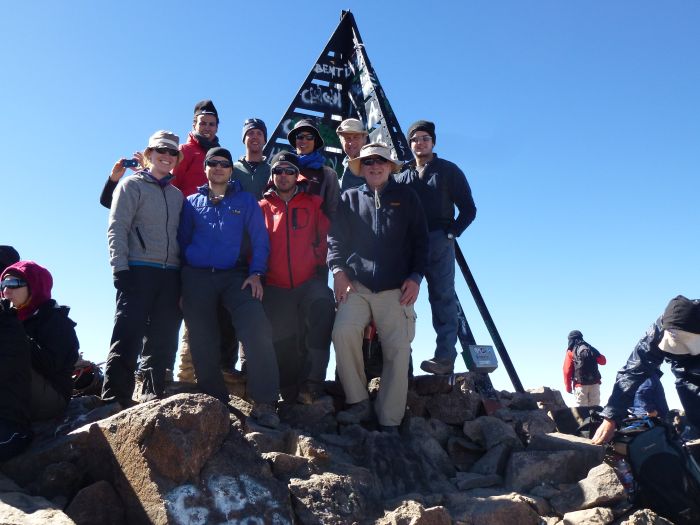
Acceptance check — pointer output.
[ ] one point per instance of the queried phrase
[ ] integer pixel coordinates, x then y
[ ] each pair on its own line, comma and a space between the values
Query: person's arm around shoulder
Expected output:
331, 194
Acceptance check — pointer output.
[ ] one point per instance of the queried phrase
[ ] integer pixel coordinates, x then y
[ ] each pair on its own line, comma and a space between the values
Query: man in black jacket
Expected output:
377, 251
441, 186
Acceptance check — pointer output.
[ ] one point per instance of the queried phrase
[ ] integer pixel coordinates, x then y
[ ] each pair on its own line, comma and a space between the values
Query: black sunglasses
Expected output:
373, 160
12, 283
215, 163
280, 170
305, 136
163, 150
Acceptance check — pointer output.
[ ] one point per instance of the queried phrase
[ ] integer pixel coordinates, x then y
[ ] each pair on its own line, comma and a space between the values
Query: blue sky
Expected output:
577, 124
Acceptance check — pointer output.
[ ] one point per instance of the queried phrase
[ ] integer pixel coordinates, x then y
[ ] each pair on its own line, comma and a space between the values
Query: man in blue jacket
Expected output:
377, 251
441, 186
675, 336
216, 224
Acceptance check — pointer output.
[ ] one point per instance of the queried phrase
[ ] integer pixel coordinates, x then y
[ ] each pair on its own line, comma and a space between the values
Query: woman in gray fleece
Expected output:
145, 260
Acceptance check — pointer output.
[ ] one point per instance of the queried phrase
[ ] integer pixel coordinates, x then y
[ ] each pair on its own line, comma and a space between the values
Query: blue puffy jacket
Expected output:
217, 235
642, 364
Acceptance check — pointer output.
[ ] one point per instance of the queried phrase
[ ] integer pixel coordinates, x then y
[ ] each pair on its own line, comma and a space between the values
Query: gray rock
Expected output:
528, 469
286, 466
457, 406
336, 498
547, 398
469, 480
429, 385
531, 423
97, 503
494, 461
506, 509
413, 513
596, 516
463, 452
17, 508
588, 454
645, 517
497, 432
600, 488
268, 440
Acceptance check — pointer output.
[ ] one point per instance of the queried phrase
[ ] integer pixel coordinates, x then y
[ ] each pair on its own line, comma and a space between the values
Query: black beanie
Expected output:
8, 256
422, 125
285, 156
682, 314
253, 123
219, 152
205, 107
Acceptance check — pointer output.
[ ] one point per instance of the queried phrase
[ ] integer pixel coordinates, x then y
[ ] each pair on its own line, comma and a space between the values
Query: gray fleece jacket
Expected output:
143, 223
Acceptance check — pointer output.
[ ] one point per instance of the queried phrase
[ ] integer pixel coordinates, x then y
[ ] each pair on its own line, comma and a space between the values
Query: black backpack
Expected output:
586, 365
667, 477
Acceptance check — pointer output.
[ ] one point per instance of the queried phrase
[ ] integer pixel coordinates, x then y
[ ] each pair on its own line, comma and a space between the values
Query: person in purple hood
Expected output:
38, 349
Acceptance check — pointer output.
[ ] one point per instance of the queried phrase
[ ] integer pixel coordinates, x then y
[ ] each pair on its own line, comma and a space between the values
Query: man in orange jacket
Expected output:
581, 375
297, 299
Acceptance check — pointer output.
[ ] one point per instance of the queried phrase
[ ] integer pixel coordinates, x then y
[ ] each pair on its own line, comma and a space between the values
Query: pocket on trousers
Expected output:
411, 317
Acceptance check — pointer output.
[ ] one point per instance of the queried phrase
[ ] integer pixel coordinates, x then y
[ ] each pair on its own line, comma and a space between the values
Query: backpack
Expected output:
586, 365
667, 477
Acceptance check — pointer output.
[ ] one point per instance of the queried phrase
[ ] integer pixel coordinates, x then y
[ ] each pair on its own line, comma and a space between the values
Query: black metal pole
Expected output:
486, 316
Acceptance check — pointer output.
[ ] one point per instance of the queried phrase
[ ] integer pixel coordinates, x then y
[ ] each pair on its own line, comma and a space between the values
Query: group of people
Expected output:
243, 251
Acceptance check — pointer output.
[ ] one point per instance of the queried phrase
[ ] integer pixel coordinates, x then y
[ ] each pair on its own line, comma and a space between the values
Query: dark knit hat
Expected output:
422, 125
575, 334
682, 314
219, 152
8, 256
285, 156
253, 123
205, 107
305, 125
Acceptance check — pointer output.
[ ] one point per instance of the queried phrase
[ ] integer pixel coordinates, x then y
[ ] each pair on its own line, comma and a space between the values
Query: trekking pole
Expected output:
488, 321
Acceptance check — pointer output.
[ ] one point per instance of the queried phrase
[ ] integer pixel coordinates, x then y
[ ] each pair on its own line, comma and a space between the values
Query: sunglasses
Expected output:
373, 160
215, 163
305, 136
422, 138
12, 283
163, 150
286, 171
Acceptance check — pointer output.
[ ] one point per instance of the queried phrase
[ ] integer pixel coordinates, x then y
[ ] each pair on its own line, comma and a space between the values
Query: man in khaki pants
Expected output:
377, 251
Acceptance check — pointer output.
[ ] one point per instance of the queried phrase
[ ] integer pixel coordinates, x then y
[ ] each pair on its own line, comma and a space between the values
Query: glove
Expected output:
6, 308
122, 281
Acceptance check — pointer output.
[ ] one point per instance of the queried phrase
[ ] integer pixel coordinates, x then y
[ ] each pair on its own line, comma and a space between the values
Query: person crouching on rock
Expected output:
216, 225
38, 348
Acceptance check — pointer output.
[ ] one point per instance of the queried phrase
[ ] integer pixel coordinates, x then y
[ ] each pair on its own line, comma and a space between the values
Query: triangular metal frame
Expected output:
342, 84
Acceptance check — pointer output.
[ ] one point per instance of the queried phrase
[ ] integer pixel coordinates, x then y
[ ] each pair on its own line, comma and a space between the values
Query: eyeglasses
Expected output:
373, 160
12, 282
421, 138
305, 136
163, 150
221, 163
287, 171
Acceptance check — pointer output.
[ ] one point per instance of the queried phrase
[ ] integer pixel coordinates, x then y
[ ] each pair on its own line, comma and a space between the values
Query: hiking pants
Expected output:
149, 308
440, 276
396, 325
202, 291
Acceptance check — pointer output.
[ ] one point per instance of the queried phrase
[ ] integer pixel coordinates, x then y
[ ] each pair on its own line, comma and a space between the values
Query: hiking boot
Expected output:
437, 366
310, 392
356, 413
265, 415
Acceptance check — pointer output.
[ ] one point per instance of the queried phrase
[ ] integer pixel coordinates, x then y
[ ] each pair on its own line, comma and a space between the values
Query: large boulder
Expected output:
505, 509
600, 488
527, 469
413, 513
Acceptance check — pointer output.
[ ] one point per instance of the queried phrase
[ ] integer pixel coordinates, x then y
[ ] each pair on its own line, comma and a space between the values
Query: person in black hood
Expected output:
38, 349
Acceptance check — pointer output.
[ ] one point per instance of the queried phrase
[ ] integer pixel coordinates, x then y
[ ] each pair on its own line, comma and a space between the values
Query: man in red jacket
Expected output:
297, 299
581, 375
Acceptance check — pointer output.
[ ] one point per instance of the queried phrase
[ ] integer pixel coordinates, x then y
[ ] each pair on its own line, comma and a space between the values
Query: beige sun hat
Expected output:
351, 125
374, 149
165, 139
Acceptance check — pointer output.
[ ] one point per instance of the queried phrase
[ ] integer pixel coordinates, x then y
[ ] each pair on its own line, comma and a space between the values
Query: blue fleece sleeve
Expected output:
259, 238
642, 363
185, 228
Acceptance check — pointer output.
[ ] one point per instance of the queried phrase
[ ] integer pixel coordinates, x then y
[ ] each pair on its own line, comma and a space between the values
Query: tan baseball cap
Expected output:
351, 125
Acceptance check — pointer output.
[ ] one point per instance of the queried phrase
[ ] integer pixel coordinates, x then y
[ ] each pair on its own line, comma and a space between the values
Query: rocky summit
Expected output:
190, 459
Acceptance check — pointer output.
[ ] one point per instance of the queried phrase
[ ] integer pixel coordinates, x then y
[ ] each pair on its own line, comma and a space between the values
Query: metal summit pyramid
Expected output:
340, 85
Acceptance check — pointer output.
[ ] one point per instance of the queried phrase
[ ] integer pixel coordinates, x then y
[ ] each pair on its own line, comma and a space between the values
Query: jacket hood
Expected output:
40, 283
